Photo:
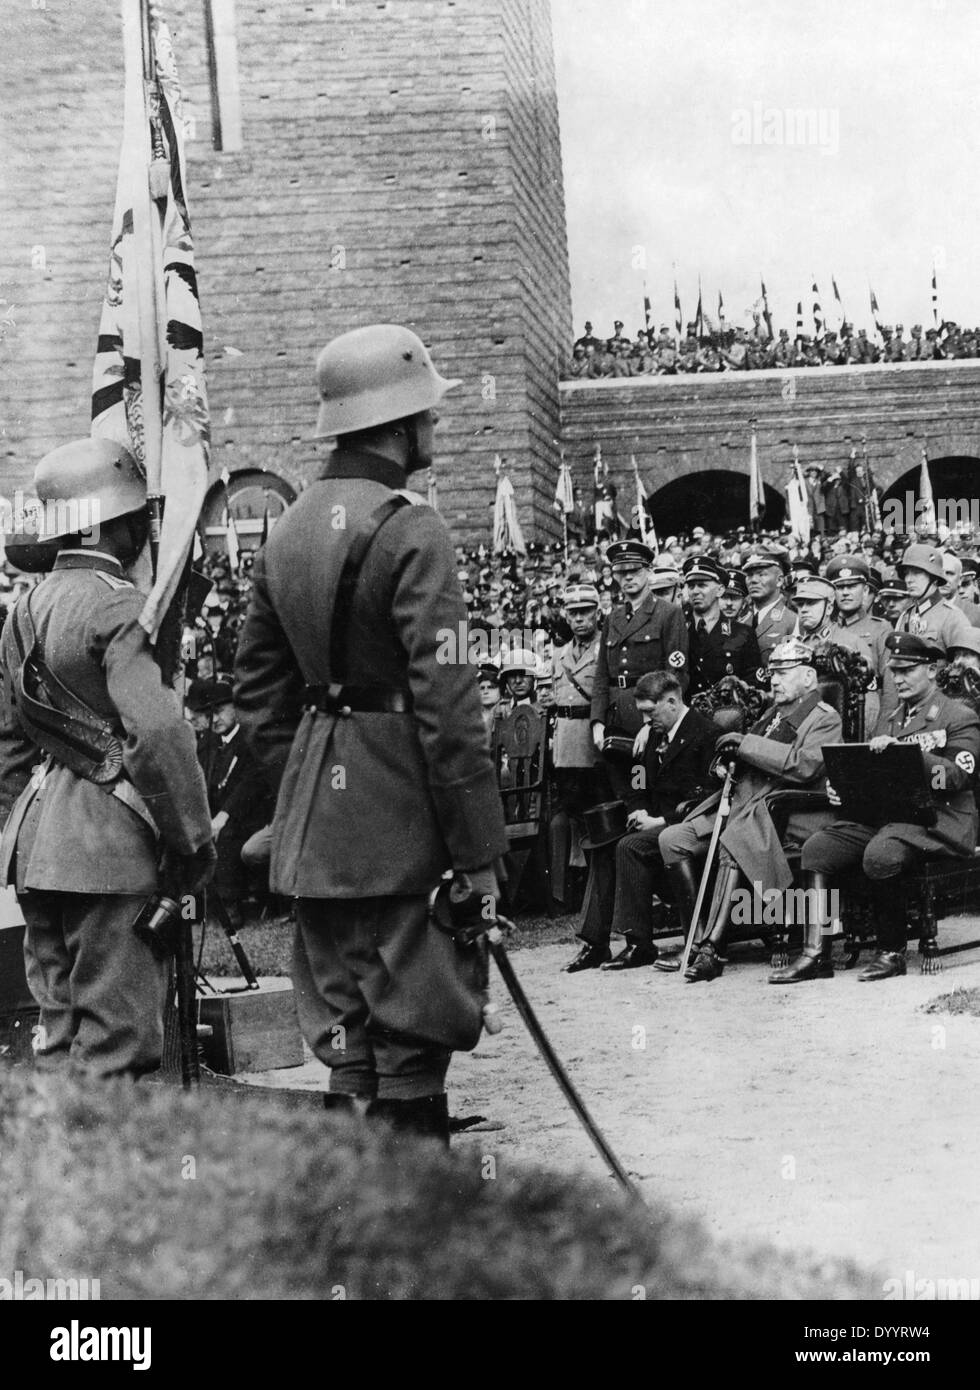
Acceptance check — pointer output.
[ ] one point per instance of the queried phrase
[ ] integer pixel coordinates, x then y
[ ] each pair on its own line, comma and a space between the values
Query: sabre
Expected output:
441, 907
724, 808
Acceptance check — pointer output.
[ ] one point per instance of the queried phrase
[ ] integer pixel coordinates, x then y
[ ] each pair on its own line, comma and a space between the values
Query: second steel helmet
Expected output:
85, 483
372, 375
927, 558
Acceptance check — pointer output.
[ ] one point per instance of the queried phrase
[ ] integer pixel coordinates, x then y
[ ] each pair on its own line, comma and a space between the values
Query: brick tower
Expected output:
350, 162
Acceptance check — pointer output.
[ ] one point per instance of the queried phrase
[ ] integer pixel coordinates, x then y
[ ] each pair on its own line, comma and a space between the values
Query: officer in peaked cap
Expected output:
948, 733
579, 774
772, 617
643, 633
855, 628
116, 810
814, 599
338, 667
894, 596
717, 646
735, 598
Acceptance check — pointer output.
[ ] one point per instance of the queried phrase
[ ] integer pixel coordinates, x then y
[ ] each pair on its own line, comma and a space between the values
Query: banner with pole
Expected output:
564, 500
796, 501
148, 389
757, 496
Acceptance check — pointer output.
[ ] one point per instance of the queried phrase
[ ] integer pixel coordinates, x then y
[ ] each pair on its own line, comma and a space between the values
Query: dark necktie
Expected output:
702, 628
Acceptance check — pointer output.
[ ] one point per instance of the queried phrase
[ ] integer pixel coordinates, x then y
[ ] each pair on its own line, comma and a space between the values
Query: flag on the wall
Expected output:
678, 321
799, 318
818, 321
507, 534
876, 313
148, 389
765, 310
935, 300
757, 496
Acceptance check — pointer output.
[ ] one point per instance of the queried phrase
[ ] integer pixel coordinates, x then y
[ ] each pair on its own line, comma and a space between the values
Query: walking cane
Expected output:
724, 809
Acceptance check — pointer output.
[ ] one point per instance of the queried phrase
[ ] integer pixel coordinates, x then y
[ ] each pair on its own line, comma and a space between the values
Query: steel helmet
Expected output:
516, 662
86, 483
923, 557
372, 375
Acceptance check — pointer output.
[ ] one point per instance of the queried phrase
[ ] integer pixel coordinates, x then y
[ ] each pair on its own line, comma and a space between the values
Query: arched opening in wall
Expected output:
955, 490
255, 501
716, 499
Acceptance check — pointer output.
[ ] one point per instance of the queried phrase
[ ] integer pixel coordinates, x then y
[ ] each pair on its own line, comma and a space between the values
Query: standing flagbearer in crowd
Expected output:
644, 633
378, 748
117, 807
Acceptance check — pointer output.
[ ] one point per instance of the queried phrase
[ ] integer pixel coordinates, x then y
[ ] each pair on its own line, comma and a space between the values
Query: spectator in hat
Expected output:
735, 600
239, 796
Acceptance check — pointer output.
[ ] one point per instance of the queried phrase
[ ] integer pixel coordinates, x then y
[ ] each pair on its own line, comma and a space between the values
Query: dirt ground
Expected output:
834, 1116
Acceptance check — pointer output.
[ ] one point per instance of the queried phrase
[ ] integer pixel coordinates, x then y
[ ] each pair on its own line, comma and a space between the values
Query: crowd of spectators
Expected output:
754, 349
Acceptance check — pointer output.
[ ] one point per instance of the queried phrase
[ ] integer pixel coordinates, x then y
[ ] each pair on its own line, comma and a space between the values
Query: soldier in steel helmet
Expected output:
928, 614
118, 806
376, 744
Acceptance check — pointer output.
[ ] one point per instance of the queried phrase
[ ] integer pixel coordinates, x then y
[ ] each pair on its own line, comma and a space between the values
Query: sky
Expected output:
679, 156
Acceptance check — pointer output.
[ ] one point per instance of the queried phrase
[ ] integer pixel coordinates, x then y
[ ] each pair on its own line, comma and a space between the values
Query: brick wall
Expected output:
683, 426
400, 162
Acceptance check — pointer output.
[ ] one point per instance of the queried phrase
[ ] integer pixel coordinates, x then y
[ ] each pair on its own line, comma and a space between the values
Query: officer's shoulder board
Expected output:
114, 581
822, 704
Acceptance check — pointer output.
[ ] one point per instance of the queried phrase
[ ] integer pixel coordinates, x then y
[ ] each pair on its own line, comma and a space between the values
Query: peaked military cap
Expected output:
967, 642
762, 559
845, 569
204, 695
813, 587
703, 567
790, 653
581, 596
906, 649
736, 584
629, 553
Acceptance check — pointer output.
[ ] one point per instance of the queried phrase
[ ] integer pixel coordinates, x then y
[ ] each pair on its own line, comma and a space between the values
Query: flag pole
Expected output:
147, 246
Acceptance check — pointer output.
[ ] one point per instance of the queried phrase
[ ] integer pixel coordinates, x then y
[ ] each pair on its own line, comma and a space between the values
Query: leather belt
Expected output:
357, 699
626, 682
573, 711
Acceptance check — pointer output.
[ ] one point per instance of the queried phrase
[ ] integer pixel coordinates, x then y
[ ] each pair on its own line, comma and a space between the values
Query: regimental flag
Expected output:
765, 310
148, 389
818, 320
876, 313
643, 523
872, 504
797, 501
935, 300
678, 319
231, 530
721, 313
432, 491
699, 316
265, 517
757, 496
799, 319
926, 508
507, 534
647, 309
564, 494
840, 306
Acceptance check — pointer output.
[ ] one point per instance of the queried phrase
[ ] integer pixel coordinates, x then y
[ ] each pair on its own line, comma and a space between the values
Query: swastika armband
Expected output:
676, 659
966, 761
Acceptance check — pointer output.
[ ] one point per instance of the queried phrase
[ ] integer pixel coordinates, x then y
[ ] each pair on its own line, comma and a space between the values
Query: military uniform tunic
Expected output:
652, 638
728, 649
574, 676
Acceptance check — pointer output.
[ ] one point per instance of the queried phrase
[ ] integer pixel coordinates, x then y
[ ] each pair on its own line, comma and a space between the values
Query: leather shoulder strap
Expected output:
357, 551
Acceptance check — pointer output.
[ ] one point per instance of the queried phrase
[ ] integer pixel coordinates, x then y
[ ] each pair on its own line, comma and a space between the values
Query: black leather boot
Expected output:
816, 962
891, 930
710, 960
426, 1118
684, 884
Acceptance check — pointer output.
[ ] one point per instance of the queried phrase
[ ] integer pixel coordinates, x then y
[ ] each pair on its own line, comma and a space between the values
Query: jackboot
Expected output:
426, 1117
816, 962
684, 883
710, 960
891, 930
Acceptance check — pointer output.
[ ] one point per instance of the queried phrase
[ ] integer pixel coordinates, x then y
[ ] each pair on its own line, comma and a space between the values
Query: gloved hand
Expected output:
187, 873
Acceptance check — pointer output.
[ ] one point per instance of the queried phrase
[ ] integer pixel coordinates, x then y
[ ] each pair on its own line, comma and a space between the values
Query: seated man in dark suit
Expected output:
671, 768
